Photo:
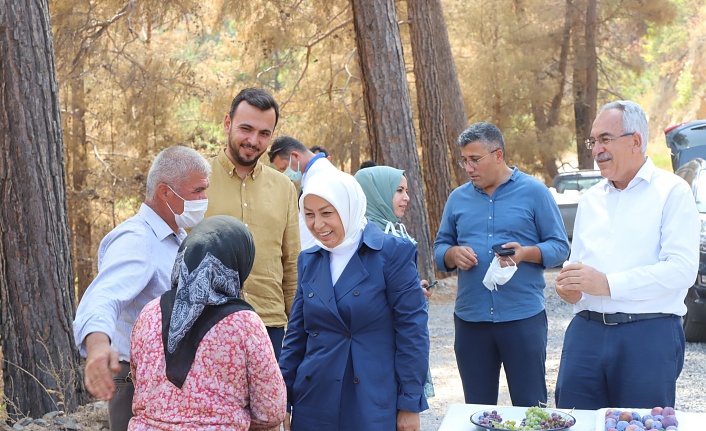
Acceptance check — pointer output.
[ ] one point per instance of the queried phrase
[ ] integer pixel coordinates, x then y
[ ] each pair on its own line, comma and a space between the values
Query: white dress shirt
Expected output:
135, 263
316, 166
644, 238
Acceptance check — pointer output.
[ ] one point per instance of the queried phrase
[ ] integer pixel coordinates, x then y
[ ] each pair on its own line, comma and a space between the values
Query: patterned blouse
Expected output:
234, 382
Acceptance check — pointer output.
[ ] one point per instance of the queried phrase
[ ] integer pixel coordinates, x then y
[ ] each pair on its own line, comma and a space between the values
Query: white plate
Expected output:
513, 414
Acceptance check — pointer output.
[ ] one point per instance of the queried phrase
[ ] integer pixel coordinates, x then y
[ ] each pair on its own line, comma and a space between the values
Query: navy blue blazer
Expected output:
356, 353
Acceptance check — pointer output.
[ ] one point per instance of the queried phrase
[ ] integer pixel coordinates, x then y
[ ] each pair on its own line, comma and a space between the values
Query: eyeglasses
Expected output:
604, 140
473, 161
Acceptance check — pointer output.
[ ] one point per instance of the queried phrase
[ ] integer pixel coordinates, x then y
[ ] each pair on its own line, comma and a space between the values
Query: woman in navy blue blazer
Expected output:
356, 351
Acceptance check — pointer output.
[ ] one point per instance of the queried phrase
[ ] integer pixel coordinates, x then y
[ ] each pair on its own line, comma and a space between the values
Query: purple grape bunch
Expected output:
536, 418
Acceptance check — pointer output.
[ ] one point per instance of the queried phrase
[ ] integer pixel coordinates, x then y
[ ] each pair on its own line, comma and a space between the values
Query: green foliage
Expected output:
685, 88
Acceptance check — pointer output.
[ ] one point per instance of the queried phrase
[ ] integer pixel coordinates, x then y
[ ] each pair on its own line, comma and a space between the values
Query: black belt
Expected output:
617, 318
125, 374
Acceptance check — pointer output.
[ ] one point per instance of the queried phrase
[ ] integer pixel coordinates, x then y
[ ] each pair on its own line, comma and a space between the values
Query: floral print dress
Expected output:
234, 382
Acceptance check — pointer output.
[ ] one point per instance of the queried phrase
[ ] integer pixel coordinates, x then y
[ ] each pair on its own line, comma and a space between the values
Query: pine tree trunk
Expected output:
585, 78
454, 109
41, 363
388, 109
425, 16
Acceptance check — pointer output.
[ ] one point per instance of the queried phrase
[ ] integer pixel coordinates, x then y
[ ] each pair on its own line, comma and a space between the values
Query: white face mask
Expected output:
497, 275
291, 173
193, 212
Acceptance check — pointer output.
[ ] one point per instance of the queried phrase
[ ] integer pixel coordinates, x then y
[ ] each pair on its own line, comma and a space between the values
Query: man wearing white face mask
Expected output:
297, 162
135, 261
499, 308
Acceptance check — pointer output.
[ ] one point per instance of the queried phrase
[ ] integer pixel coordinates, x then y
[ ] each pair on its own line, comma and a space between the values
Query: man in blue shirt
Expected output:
506, 325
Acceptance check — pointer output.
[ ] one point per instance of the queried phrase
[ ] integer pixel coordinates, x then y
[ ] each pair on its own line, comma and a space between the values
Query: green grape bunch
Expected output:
536, 418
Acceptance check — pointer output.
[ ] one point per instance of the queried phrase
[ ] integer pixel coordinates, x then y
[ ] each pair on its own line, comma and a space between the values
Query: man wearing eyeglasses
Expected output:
499, 323
635, 252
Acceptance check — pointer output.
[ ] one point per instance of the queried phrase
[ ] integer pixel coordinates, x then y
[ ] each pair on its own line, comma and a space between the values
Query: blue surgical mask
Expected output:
291, 173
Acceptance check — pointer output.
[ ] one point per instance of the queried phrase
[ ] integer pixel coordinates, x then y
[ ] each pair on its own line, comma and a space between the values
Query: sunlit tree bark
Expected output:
388, 108
426, 18
40, 360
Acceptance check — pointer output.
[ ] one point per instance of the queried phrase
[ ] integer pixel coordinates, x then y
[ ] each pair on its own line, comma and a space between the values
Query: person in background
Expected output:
367, 164
387, 195
201, 357
356, 352
316, 149
499, 308
134, 263
265, 201
634, 254
284, 153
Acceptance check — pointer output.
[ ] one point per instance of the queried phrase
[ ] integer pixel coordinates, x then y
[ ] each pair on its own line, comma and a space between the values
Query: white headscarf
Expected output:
344, 193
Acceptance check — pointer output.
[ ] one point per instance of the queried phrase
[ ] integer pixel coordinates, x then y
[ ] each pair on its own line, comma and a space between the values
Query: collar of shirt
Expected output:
645, 173
314, 159
160, 227
225, 162
513, 177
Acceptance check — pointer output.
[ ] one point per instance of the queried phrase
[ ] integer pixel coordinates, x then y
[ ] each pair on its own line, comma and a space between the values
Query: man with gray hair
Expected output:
135, 262
634, 254
501, 231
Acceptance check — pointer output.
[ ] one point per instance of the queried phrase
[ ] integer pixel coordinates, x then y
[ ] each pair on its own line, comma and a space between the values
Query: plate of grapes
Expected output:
522, 418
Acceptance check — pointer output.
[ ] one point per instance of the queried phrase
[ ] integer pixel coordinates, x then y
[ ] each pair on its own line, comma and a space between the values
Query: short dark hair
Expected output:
487, 133
283, 147
367, 164
319, 149
256, 97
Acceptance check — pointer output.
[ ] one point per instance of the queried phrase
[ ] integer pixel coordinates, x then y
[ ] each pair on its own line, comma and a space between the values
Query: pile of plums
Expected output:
660, 418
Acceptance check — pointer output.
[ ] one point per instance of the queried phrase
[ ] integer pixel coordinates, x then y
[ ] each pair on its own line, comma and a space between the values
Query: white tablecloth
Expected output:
458, 418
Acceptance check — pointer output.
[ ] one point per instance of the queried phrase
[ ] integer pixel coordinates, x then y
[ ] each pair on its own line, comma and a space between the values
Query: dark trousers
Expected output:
520, 346
631, 364
276, 334
120, 407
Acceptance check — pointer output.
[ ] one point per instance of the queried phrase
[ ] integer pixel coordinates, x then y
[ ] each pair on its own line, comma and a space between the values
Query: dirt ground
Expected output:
447, 383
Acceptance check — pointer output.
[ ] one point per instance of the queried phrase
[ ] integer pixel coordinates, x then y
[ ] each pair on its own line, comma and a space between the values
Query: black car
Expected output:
686, 141
694, 173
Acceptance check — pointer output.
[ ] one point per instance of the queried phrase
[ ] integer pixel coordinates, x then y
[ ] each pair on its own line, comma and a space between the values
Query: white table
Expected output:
458, 418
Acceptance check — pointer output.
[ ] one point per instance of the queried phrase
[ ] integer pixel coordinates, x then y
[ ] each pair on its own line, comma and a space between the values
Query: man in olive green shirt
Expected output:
263, 199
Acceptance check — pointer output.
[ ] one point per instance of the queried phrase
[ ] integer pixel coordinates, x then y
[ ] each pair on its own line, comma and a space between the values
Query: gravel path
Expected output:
447, 384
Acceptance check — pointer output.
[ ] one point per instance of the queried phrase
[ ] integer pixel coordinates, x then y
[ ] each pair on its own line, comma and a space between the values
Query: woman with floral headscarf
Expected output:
200, 355
387, 194
357, 346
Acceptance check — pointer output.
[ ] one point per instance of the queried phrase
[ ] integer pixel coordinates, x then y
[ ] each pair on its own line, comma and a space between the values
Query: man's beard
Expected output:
241, 161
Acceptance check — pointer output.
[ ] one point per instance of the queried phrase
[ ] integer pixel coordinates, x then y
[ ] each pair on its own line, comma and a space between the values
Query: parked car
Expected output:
694, 173
576, 180
686, 141
567, 188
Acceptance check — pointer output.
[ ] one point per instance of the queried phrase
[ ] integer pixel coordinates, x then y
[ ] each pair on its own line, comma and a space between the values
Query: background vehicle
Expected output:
694, 173
567, 188
576, 180
686, 141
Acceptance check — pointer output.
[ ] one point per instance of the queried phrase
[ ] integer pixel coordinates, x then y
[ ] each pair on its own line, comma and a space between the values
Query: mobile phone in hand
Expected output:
433, 283
503, 251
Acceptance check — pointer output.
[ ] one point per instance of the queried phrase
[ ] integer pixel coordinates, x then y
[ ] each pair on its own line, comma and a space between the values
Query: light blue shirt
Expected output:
521, 210
135, 263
